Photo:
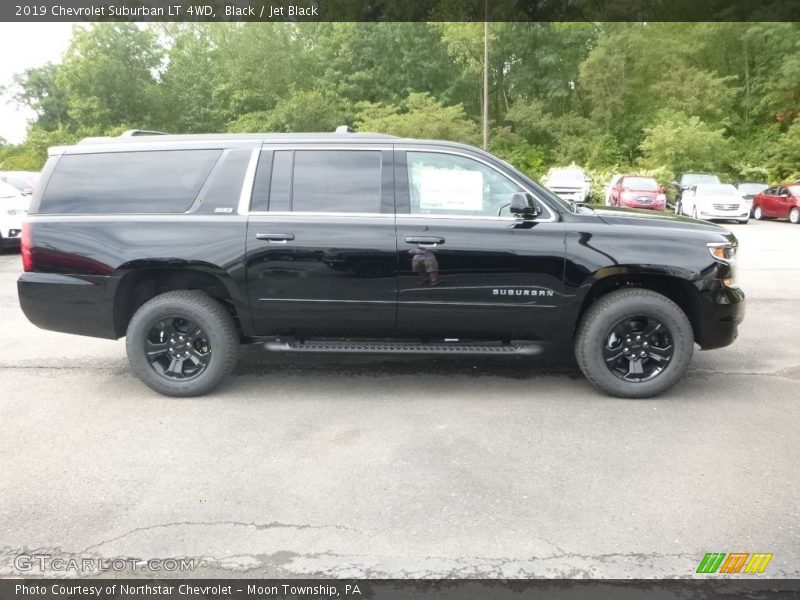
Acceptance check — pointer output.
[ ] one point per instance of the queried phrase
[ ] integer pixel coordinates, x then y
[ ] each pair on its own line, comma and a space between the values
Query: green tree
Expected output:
684, 144
420, 116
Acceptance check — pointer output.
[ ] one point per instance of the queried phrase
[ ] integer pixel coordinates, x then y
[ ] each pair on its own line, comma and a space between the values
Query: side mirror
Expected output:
523, 205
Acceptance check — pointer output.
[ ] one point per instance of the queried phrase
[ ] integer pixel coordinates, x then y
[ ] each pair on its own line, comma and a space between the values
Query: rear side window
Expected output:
162, 181
339, 181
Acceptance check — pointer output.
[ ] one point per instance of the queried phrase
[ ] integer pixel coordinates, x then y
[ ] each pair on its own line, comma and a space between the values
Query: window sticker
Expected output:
450, 189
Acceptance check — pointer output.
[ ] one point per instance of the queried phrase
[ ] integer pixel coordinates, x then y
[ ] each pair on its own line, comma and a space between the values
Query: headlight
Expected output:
725, 253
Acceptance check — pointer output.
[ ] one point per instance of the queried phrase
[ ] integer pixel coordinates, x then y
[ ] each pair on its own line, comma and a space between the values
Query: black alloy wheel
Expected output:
177, 348
638, 348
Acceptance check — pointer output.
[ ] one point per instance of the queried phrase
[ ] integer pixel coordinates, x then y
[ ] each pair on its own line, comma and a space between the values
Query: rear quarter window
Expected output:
159, 181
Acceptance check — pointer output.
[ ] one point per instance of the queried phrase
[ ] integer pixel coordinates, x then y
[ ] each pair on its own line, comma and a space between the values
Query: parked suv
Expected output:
191, 245
685, 182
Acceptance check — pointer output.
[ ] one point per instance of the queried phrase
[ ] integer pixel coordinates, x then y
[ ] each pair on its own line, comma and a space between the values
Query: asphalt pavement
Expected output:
355, 466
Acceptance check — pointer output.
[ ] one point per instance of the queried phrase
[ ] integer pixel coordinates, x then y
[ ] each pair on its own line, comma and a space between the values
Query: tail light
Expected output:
26, 249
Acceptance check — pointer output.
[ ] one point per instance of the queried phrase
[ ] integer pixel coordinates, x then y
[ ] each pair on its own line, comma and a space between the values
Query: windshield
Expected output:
751, 189
694, 179
640, 183
8, 191
566, 178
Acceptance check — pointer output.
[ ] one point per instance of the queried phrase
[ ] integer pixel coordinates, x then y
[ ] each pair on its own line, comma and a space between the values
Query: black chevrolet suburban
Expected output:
190, 245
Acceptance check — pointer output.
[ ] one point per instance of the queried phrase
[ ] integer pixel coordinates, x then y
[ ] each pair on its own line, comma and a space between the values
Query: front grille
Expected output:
725, 206
644, 199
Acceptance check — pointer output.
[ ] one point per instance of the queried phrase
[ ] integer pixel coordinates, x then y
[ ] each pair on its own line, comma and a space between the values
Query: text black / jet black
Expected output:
190, 245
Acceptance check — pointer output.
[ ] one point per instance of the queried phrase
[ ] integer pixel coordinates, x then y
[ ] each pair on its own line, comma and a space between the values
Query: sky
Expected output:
22, 46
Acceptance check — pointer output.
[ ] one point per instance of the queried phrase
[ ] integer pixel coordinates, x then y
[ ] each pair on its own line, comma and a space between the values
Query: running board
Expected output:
512, 349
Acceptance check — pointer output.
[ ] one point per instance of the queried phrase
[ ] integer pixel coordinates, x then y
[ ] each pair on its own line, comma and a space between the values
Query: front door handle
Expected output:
275, 238
425, 241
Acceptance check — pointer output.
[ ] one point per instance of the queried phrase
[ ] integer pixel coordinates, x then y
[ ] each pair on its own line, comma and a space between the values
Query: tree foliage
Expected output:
613, 96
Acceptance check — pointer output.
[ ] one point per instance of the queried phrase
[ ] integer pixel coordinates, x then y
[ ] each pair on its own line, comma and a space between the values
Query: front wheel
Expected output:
758, 213
182, 343
794, 215
634, 343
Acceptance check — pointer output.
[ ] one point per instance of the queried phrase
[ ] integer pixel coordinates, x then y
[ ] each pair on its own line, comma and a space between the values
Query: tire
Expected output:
758, 213
598, 327
212, 354
794, 216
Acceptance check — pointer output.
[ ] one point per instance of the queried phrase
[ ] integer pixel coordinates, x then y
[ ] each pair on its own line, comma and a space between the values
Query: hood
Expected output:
631, 216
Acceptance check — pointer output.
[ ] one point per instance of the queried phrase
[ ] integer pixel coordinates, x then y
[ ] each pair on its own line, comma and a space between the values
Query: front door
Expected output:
321, 253
468, 269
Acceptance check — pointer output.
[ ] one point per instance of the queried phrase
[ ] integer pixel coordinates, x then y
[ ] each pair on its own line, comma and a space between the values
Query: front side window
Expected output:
447, 184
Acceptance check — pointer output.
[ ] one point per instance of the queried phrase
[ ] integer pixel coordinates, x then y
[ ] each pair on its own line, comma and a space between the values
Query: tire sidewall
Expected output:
160, 308
796, 212
758, 213
614, 310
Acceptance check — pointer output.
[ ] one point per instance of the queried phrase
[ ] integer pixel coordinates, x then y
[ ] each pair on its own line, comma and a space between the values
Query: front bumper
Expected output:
738, 214
723, 310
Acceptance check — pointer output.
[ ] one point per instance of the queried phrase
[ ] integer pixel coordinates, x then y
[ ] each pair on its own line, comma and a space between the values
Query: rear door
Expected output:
321, 253
467, 267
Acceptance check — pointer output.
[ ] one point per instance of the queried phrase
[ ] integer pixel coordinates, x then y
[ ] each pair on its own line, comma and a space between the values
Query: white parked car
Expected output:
13, 209
569, 183
715, 201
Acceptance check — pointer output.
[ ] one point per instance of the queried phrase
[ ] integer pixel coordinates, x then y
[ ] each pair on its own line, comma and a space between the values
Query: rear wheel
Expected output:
758, 213
794, 215
634, 343
182, 343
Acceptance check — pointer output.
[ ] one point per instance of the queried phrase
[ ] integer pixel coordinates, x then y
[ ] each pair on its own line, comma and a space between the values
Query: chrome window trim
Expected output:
551, 213
284, 213
246, 195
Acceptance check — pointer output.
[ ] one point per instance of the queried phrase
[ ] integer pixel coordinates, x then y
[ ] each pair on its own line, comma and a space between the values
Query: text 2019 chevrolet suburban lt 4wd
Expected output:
191, 245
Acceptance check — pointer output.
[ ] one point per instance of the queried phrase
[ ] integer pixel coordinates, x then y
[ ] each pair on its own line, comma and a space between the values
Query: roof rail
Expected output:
345, 129
135, 132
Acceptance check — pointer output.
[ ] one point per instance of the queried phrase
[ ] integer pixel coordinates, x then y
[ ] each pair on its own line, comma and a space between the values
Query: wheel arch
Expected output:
678, 289
139, 285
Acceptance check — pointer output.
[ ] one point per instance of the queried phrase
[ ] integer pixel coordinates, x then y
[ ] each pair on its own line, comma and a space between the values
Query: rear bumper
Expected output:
723, 310
69, 304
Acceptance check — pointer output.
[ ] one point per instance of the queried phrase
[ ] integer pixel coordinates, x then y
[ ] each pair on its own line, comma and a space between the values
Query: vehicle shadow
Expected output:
255, 361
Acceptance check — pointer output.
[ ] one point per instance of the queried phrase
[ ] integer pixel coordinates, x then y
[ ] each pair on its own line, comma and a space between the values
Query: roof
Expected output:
208, 137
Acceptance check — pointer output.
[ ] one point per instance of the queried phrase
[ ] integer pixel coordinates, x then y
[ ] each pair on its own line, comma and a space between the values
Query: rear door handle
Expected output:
425, 241
275, 238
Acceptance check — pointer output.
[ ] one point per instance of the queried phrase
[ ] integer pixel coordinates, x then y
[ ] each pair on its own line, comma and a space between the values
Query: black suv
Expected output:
190, 245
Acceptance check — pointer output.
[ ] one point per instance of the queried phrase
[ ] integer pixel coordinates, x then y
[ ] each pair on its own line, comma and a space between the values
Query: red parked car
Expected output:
635, 191
778, 202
